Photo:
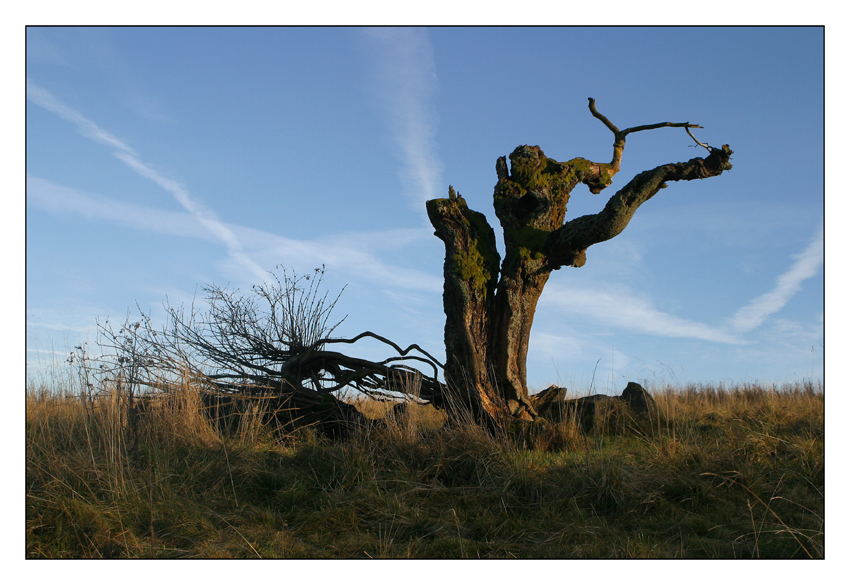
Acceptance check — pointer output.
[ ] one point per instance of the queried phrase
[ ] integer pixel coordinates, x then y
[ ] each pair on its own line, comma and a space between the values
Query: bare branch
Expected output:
567, 245
271, 342
597, 115
620, 135
705, 146
402, 352
661, 125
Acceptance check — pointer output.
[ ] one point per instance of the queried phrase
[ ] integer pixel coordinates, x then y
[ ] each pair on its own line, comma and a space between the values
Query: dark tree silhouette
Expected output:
273, 345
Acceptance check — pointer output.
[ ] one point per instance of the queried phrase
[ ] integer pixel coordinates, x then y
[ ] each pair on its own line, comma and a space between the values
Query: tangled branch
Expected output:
275, 341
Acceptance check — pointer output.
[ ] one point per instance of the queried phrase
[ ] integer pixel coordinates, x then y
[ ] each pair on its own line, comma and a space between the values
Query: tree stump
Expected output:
632, 410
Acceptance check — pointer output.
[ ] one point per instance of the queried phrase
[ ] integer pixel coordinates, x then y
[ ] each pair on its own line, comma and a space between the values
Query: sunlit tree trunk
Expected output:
489, 301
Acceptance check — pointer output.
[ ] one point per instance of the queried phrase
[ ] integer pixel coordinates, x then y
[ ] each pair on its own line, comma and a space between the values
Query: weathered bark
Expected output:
568, 244
470, 271
490, 308
285, 411
635, 408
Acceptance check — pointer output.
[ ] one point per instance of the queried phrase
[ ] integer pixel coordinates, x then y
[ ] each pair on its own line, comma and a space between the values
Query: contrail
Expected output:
788, 284
622, 309
405, 86
129, 157
86, 127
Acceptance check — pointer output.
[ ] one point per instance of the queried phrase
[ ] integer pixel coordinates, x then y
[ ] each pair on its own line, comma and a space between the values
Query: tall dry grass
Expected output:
724, 472
101, 476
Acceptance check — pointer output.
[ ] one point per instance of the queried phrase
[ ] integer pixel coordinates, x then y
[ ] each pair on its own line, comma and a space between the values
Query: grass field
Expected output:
726, 473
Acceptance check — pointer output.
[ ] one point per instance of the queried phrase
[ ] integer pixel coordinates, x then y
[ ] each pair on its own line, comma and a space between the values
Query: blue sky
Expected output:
163, 159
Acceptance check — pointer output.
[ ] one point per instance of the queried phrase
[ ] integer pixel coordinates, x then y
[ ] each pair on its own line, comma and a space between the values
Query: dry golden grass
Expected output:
725, 472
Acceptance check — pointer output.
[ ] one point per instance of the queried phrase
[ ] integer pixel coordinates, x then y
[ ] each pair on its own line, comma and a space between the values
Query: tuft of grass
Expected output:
732, 472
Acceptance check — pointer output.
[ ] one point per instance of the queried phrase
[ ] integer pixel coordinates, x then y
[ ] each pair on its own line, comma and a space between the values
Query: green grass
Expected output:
727, 473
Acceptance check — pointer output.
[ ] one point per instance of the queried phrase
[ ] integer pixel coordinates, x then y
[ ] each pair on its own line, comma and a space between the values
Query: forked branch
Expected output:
620, 135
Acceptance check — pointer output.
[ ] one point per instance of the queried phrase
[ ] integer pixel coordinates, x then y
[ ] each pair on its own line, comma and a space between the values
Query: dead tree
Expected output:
273, 345
489, 301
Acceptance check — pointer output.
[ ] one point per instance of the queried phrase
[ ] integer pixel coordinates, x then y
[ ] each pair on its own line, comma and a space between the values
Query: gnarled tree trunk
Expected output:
489, 301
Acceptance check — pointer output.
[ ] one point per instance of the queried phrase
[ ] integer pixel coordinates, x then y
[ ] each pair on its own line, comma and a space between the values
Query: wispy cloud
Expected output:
64, 200
129, 157
86, 127
405, 84
620, 308
354, 256
788, 284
